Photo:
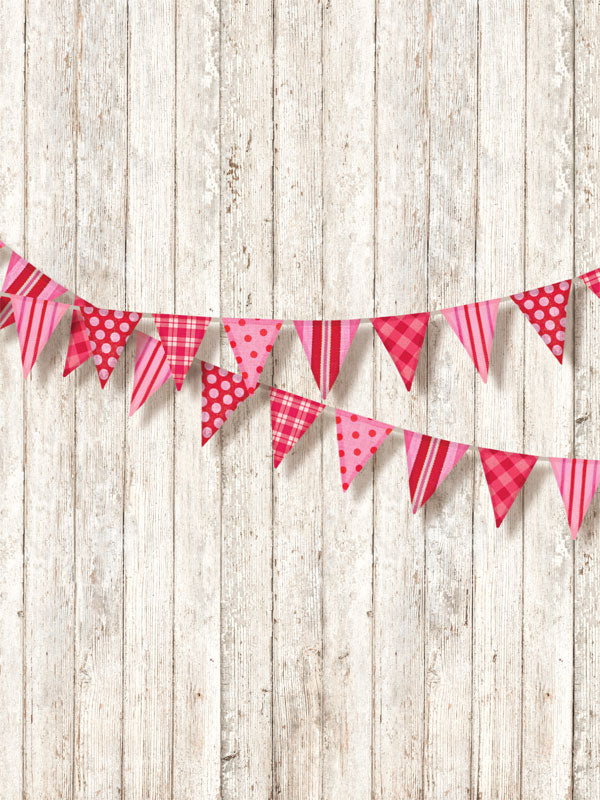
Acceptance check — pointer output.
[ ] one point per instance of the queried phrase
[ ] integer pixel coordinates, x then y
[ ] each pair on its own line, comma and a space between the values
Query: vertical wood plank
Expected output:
548, 551
148, 513
246, 496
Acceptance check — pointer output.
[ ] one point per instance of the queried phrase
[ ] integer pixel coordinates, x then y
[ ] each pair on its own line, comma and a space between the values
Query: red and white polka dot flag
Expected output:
251, 341
359, 438
546, 310
222, 393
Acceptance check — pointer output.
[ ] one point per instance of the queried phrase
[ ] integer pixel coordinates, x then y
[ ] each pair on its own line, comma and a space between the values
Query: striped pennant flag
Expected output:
577, 480
222, 393
359, 438
22, 278
36, 322
505, 474
326, 344
474, 325
79, 349
430, 461
150, 372
546, 310
291, 417
592, 281
181, 337
251, 341
403, 338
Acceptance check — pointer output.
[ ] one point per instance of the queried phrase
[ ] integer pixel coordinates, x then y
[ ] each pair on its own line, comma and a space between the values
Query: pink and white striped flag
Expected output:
151, 370
577, 480
36, 322
23, 279
430, 461
474, 325
359, 438
291, 417
326, 344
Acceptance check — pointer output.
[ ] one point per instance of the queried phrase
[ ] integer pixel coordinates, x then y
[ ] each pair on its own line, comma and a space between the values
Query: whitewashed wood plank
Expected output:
197, 509
452, 197
246, 497
297, 521
148, 510
402, 155
50, 240
548, 552
348, 277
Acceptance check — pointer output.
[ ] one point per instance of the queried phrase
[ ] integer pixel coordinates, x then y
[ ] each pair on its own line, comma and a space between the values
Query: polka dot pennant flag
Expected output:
181, 337
505, 474
251, 341
430, 461
403, 338
577, 480
474, 324
358, 438
151, 370
291, 417
326, 344
222, 393
107, 332
546, 310
23, 279
36, 321
592, 281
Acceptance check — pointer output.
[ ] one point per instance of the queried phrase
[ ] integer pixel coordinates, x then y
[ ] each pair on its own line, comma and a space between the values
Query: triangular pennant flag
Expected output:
25, 280
326, 344
108, 332
592, 281
79, 349
291, 417
251, 341
403, 338
358, 439
474, 324
546, 309
430, 461
505, 474
36, 322
150, 372
222, 393
181, 337
577, 480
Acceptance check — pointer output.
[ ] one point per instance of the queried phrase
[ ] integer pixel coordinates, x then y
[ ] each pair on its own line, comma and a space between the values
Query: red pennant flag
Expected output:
592, 281
251, 341
577, 480
181, 337
403, 338
79, 349
359, 438
505, 474
222, 393
546, 310
151, 370
474, 324
326, 344
291, 417
430, 461
36, 322
25, 280
107, 332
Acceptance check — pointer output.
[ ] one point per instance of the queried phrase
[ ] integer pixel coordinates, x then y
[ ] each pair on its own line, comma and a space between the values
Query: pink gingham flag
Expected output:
181, 337
79, 349
474, 325
36, 321
592, 281
505, 474
291, 417
403, 338
577, 480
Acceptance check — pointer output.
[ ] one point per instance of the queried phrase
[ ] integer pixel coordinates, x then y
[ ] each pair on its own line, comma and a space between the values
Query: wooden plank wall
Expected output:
184, 622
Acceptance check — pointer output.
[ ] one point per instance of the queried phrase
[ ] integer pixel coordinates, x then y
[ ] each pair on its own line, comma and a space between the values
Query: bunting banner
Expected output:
22, 278
474, 324
251, 341
326, 344
430, 461
577, 480
150, 372
222, 393
181, 338
291, 417
358, 438
546, 310
403, 338
107, 332
36, 322
505, 474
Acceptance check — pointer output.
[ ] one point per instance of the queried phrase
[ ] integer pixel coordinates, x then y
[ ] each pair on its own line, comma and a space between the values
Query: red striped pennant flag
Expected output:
546, 310
592, 281
181, 337
222, 393
577, 480
36, 322
291, 417
151, 370
326, 344
430, 461
251, 341
23, 279
505, 474
474, 324
403, 338
359, 438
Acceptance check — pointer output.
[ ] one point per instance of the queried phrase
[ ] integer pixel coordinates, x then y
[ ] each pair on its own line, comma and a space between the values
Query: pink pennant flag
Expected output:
222, 393
181, 337
546, 310
474, 325
36, 322
577, 480
291, 417
107, 332
326, 344
505, 474
79, 349
359, 438
592, 281
150, 372
430, 461
403, 338
251, 341
23, 279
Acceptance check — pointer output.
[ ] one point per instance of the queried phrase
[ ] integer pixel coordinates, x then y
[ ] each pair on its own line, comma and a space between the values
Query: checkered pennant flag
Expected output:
181, 337
403, 338
505, 474
291, 417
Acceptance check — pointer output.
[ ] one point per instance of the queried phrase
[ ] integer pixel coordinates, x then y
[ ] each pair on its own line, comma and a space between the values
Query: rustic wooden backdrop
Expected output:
182, 622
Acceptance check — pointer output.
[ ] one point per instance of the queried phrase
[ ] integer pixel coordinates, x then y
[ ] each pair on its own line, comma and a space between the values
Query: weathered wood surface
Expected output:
182, 622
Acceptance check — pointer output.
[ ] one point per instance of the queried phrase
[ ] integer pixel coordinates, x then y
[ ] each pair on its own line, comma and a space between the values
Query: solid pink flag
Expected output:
36, 322
107, 332
359, 438
222, 393
505, 474
291, 417
151, 370
251, 341
546, 310
577, 480
403, 338
181, 337
326, 344
430, 461
474, 324
23, 279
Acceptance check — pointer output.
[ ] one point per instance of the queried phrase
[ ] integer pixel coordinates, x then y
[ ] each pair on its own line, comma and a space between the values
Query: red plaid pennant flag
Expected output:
592, 281
326, 344
36, 322
474, 324
22, 278
430, 461
151, 370
577, 480
79, 349
222, 393
251, 341
403, 338
181, 337
291, 417
107, 332
505, 474
546, 310
358, 438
